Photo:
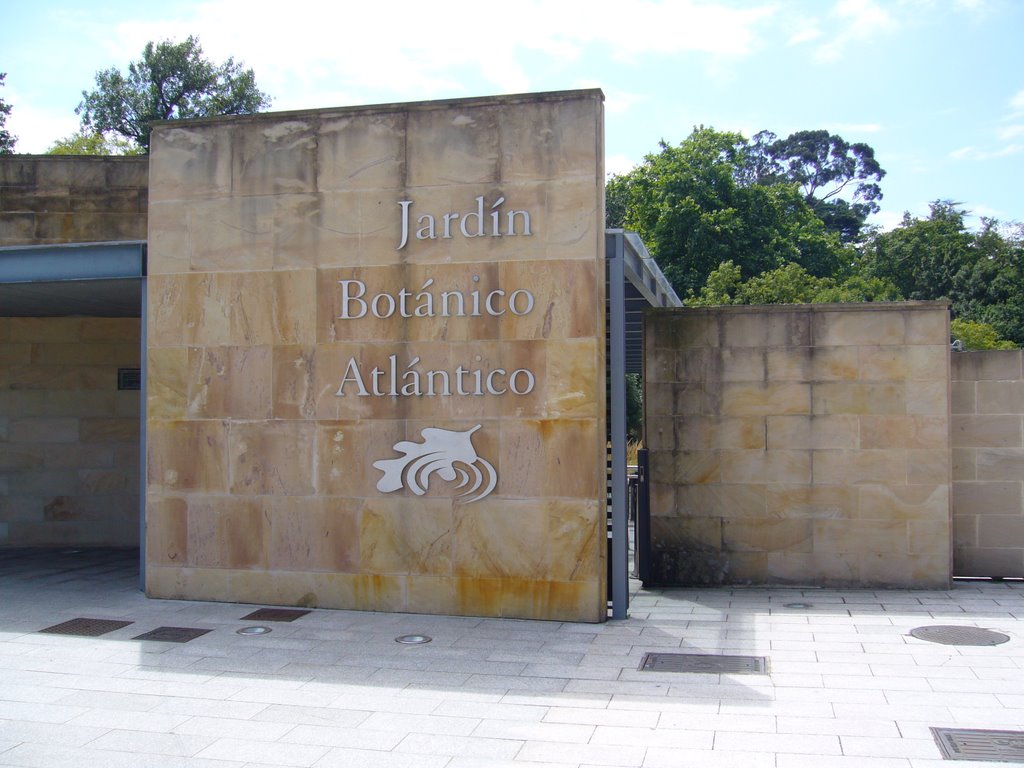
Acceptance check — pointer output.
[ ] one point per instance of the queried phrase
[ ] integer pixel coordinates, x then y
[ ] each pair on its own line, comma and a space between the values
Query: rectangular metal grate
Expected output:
973, 744
172, 634
704, 663
275, 614
85, 627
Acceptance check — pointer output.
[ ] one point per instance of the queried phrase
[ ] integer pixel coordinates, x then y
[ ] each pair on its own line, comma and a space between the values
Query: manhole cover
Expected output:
275, 614
252, 631
954, 635
704, 662
172, 634
413, 639
969, 744
85, 627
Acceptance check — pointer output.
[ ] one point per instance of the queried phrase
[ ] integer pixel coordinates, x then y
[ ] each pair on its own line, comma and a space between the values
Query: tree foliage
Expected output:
170, 81
697, 205
788, 284
971, 335
6, 139
825, 166
94, 144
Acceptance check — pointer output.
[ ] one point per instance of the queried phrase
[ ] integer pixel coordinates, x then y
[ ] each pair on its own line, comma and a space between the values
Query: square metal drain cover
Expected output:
275, 614
172, 634
971, 744
704, 662
85, 627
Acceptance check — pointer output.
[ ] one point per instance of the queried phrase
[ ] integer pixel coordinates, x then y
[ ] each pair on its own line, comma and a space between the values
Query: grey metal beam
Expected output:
78, 261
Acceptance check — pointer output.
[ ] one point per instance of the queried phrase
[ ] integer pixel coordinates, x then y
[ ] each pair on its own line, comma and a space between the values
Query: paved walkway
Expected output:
847, 685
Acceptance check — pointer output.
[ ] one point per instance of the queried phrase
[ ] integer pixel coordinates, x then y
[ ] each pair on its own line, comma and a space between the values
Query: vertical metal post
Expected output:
143, 366
614, 249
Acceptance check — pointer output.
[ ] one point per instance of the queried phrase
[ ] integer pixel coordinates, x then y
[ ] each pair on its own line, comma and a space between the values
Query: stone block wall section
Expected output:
48, 199
800, 444
265, 454
69, 440
988, 463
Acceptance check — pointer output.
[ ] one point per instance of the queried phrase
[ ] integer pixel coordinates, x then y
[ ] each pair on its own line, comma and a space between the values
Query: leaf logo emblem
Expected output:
448, 453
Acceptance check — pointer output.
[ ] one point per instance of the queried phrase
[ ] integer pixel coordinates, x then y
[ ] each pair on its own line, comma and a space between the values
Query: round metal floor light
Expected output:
413, 639
250, 631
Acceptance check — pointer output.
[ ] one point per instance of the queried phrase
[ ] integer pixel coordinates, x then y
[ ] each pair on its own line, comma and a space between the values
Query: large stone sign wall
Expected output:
376, 358
800, 444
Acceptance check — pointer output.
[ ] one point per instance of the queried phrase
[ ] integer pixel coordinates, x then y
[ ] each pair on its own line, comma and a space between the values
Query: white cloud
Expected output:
973, 153
618, 164
855, 128
37, 129
1009, 132
403, 50
857, 22
1017, 101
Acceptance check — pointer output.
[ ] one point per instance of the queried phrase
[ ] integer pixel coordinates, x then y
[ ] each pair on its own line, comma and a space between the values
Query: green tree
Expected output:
695, 206
789, 284
94, 144
971, 335
6, 139
825, 166
170, 81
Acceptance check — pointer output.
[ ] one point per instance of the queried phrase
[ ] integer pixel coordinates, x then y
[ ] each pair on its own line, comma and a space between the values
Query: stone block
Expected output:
929, 537
928, 466
988, 365
874, 537
697, 467
277, 158
44, 430
345, 452
913, 363
552, 458
965, 530
551, 140
927, 326
895, 431
858, 398
904, 502
691, 534
1000, 464
45, 330
721, 501
767, 535
978, 431
790, 364
361, 151
462, 148
963, 400
812, 568
226, 532
988, 498
835, 363
187, 162
313, 534
1000, 396
762, 467
766, 399
837, 467
571, 378
167, 383
1000, 530
166, 531
187, 456
825, 502
676, 329
230, 382
812, 432
732, 364
397, 536
964, 462
911, 571
274, 457
111, 329
15, 354
761, 328
875, 326
693, 433
109, 430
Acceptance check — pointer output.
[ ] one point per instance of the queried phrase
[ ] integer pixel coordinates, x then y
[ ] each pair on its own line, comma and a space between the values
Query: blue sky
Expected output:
935, 86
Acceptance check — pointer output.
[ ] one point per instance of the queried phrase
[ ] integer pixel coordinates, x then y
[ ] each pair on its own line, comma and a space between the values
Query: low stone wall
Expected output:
47, 199
800, 444
69, 440
988, 463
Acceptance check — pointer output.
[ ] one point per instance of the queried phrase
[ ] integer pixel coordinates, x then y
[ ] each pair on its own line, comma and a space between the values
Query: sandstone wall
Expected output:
988, 463
804, 444
69, 440
269, 433
56, 199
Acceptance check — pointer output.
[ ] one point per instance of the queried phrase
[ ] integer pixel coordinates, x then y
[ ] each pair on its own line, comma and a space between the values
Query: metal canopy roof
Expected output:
645, 287
73, 280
